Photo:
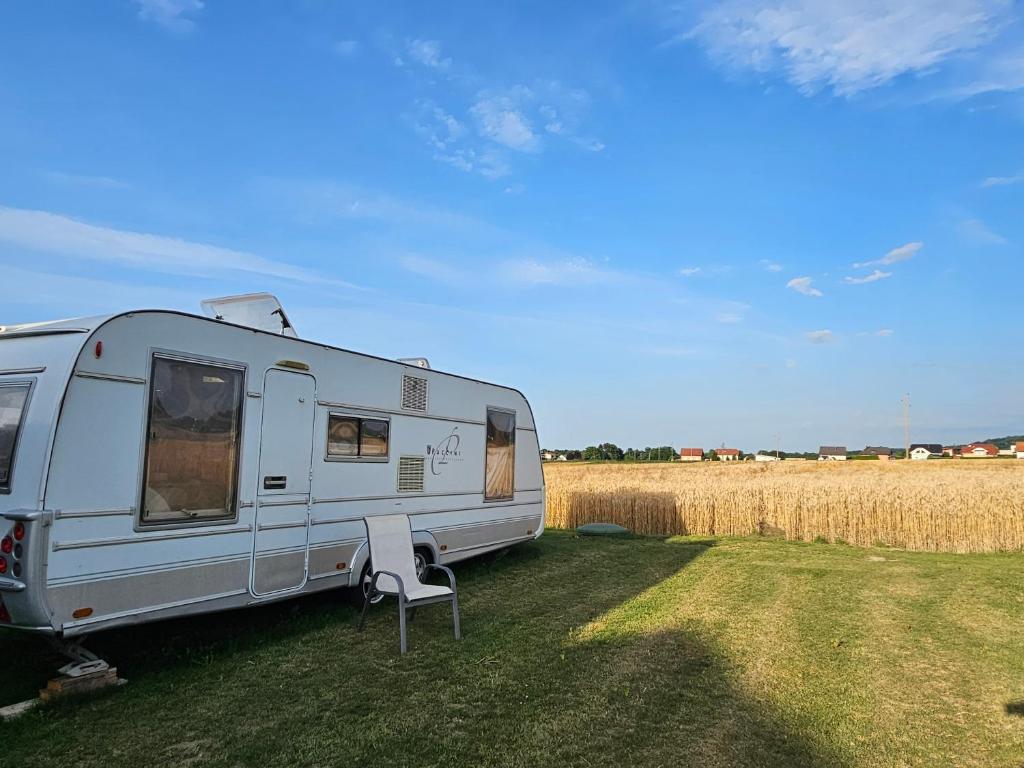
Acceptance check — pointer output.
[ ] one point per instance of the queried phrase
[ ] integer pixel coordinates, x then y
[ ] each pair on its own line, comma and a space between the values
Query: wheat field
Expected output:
938, 506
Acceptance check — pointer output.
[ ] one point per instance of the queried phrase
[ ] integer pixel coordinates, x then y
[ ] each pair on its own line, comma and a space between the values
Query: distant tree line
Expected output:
612, 452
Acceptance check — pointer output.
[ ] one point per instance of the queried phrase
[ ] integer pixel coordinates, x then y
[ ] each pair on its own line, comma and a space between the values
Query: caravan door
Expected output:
280, 551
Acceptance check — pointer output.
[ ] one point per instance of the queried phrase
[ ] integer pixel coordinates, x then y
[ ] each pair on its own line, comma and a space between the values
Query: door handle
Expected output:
272, 482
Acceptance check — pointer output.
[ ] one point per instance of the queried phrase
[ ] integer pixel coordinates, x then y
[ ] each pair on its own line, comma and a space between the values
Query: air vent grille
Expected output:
410, 474
414, 393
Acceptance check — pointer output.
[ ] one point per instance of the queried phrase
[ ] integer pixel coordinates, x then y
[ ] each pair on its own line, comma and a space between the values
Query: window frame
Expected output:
8, 489
515, 419
233, 515
360, 418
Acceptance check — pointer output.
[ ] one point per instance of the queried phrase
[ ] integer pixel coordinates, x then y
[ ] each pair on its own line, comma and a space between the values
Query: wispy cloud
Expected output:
500, 118
690, 271
884, 332
346, 48
432, 268
318, 198
902, 253
79, 180
978, 232
564, 271
728, 318
873, 277
820, 337
427, 53
803, 285
848, 46
671, 351
1001, 181
770, 266
46, 232
172, 15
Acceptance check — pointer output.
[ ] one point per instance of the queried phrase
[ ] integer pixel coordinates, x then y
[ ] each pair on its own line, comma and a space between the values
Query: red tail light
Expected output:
6, 545
19, 531
3, 565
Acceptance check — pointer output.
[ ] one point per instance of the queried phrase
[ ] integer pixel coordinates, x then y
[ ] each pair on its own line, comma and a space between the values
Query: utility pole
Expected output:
906, 426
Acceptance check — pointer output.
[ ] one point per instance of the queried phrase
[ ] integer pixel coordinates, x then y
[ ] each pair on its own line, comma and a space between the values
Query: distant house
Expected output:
921, 451
691, 454
561, 457
979, 451
1019, 449
832, 453
951, 450
769, 457
548, 456
728, 454
883, 453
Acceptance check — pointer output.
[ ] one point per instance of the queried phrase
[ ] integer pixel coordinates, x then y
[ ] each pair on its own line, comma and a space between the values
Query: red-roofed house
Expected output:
1019, 448
979, 451
728, 454
691, 454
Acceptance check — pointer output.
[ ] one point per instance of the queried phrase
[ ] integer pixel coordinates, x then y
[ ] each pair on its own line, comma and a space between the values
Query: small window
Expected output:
192, 442
500, 459
353, 437
12, 405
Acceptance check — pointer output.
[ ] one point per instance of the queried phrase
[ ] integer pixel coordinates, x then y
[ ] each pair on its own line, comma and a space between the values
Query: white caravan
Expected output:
156, 464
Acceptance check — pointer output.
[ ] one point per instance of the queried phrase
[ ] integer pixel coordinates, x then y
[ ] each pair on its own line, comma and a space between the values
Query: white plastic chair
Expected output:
393, 572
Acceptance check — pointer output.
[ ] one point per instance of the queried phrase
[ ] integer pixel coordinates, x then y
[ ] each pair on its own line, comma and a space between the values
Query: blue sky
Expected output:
667, 223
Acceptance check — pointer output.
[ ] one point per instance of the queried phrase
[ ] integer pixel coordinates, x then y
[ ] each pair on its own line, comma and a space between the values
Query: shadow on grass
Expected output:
1015, 708
533, 682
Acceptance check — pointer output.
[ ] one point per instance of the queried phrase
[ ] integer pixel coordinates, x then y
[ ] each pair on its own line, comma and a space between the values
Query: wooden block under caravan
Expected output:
64, 685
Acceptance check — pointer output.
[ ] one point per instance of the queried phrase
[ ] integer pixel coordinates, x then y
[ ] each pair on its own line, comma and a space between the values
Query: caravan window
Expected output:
12, 404
192, 442
353, 437
500, 459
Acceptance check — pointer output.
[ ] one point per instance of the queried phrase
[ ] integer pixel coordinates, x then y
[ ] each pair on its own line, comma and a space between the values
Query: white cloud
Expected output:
977, 231
820, 337
1001, 181
902, 253
78, 180
567, 271
501, 119
873, 277
690, 271
769, 265
53, 233
884, 332
346, 48
728, 318
170, 14
803, 285
427, 53
848, 46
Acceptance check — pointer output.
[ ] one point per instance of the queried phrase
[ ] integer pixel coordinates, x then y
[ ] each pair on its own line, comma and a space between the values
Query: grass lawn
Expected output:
581, 652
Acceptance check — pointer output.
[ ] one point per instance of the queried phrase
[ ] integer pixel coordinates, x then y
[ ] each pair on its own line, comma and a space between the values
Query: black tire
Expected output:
357, 594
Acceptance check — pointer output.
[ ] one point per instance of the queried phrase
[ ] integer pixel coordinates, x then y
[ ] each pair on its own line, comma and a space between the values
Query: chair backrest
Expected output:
390, 539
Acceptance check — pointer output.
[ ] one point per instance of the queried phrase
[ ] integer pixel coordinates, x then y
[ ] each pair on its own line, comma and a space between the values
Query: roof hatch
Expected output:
261, 311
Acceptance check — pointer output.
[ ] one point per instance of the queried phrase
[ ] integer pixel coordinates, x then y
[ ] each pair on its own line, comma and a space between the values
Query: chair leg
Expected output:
412, 614
362, 616
401, 623
455, 615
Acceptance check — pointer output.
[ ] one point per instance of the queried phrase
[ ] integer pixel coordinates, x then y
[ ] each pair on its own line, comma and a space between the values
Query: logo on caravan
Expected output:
445, 452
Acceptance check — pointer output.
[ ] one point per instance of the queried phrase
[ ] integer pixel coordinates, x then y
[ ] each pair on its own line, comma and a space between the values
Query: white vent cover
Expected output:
414, 393
410, 474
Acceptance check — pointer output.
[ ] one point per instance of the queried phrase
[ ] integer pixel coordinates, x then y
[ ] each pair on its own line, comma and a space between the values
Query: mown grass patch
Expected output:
582, 652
